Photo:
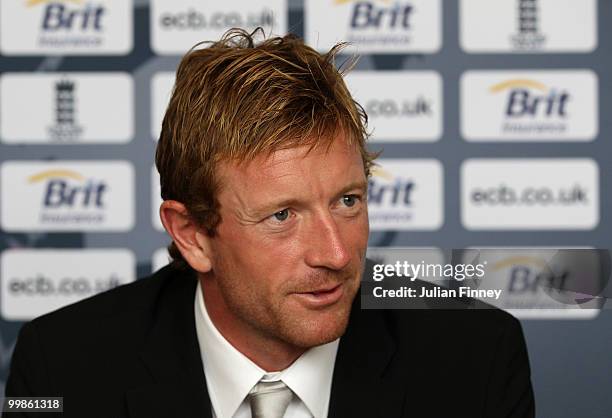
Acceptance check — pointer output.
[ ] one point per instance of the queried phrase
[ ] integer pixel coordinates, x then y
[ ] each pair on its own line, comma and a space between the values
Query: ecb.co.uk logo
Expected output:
530, 194
67, 196
177, 25
375, 26
66, 27
69, 108
401, 106
521, 26
405, 194
529, 106
34, 282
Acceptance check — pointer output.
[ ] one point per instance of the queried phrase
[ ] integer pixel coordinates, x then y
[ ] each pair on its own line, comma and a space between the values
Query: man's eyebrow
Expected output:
268, 208
361, 185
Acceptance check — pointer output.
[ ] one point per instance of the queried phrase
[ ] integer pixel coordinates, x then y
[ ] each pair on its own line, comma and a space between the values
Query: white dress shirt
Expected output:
230, 375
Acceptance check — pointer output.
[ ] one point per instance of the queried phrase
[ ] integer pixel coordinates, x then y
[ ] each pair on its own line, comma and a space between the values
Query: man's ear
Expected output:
192, 241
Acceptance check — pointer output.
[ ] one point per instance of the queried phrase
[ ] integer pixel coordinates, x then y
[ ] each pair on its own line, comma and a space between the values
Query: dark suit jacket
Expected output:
133, 352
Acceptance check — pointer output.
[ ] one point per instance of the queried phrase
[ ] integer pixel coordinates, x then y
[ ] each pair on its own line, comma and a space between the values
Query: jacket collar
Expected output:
363, 384
172, 357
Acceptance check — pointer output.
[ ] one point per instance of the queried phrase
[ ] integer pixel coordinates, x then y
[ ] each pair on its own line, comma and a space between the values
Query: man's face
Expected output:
288, 254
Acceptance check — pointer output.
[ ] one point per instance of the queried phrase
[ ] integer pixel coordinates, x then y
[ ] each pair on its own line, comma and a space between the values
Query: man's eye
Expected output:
281, 215
349, 200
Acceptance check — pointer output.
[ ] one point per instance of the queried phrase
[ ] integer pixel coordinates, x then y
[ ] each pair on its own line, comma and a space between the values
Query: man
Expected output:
264, 170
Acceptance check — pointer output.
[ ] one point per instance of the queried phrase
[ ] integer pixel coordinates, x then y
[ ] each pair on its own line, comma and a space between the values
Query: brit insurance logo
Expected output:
530, 194
67, 196
528, 26
402, 106
178, 25
406, 194
545, 282
68, 108
557, 105
75, 27
375, 26
34, 282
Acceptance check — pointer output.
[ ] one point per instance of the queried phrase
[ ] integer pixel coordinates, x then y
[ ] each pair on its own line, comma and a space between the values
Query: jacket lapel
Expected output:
172, 357
363, 382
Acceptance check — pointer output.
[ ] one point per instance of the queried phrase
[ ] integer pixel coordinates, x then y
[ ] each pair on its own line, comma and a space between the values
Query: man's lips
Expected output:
323, 289
322, 296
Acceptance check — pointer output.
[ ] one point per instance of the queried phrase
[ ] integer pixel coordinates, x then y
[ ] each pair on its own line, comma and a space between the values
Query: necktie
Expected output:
269, 399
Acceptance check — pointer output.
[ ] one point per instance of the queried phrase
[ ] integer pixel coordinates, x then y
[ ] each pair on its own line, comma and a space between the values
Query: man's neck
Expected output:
268, 352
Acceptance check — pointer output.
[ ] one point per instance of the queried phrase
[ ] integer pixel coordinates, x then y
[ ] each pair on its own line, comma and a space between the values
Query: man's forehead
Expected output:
288, 159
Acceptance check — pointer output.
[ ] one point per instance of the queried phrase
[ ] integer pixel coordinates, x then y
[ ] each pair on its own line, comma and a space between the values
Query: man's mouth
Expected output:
322, 297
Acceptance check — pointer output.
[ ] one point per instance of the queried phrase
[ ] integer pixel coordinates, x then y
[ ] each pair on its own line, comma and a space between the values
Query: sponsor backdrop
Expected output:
490, 115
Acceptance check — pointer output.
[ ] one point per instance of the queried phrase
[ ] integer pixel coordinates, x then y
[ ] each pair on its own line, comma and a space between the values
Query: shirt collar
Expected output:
310, 377
230, 375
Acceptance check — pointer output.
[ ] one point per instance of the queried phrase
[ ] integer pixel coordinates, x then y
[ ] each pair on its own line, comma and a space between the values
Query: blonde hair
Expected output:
236, 99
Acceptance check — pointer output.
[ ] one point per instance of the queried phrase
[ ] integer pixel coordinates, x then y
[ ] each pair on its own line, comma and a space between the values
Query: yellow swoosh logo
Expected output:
54, 173
379, 172
518, 82
37, 2
522, 260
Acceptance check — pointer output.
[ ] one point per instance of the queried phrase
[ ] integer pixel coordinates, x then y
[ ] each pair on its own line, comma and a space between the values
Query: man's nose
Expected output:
325, 244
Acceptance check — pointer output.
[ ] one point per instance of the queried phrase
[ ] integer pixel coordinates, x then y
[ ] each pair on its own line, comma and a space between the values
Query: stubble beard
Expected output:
280, 322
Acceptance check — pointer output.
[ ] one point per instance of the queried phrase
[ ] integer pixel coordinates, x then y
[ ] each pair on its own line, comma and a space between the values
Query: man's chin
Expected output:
320, 329
307, 325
